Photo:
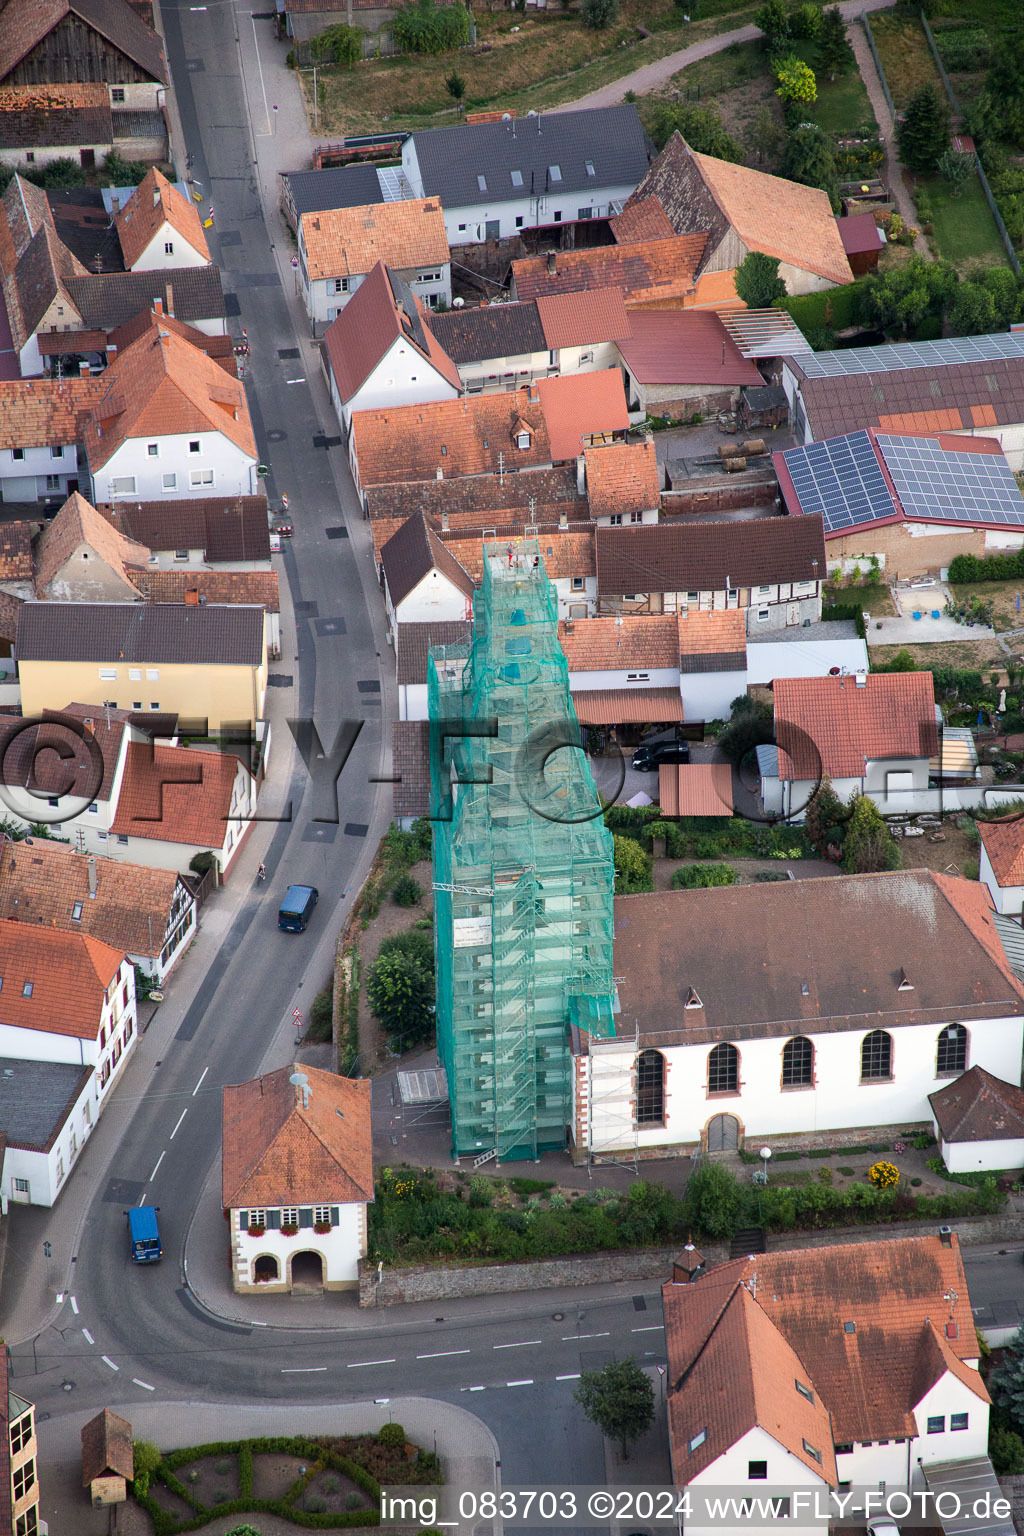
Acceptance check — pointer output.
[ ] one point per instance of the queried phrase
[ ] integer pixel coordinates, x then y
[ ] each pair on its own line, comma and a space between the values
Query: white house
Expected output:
70, 999
1002, 863
495, 180
623, 483
41, 425
297, 1180
800, 652
979, 1122
158, 228
423, 582
81, 804
339, 248
799, 1336
176, 802
47, 1111
818, 1007
169, 422
380, 351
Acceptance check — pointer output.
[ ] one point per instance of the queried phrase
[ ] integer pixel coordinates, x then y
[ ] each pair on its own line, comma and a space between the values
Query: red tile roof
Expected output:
78, 524
368, 327
345, 242
834, 725
176, 794
646, 271
154, 203
643, 642
627, 706
279, 1151
645, 219
256, 587
1003, 841
695, 789
718, 632
583, 319
622, 477
25, 758
68, 972
685, 346
457, 437
581, 409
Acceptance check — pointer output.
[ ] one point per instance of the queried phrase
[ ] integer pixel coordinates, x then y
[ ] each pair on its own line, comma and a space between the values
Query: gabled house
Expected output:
81, 558
199, 587
979, 1123
19, 1451
158, 228
169, 421
80, 803
35, 266
772, 569
43, 123
297, 1177
740, 210
623, 484
1002, 863
623, 672
42, 422
178, 802
69, 1001
422, 579
545, 497
712, 661
583, 410
339, 248
655, 274
200, 662
495, 180
412, 647
148, 913
380, 351
108, 1458
229, 532
799, 1337
64, 41
683, 363
873, 734
566, 553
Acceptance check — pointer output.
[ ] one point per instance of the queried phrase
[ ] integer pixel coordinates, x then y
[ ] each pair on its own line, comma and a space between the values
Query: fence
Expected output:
878, 65
954, 102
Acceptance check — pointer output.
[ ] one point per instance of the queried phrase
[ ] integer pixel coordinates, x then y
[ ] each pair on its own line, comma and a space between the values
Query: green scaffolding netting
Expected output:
523, 867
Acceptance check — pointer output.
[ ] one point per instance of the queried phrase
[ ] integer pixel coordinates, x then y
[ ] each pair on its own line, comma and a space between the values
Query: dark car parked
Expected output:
648, 759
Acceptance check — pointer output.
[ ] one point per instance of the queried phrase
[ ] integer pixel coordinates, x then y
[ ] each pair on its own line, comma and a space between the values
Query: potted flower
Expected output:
289, 1229
256, 1229
320, 1227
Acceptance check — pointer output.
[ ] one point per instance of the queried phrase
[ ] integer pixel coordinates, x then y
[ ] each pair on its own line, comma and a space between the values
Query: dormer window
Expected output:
692, 1000
76, 911
812, 1451
589, 164
522, 439
905, 984
26, 990
804, 1391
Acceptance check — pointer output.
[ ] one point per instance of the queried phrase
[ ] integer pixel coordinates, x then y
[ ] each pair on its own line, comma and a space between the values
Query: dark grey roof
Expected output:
414, 642
714, 661
224, 527
228, 635
611, 139
36, 1098
86, 228
345, 186
109, 299
491, 330
412, 551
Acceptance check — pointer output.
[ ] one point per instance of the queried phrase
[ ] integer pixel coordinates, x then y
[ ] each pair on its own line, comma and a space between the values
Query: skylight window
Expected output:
26, 990
517, 178
697, 1441
481, 182
804, 1391
590, 168
555, 172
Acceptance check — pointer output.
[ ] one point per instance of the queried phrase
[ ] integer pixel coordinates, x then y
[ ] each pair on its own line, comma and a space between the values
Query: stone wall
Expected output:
714, 495
425, 1282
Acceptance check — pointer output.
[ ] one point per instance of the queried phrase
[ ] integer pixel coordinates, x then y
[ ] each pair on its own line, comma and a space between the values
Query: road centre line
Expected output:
301, 1370
440, 1353
74, 1305
527, 1383
144, 1384
107, 1361
177, 1128
567, 1337
88, 1336
354, 1365
572, 1376
198, 1085
519, 1344
651, 1328
158, 1162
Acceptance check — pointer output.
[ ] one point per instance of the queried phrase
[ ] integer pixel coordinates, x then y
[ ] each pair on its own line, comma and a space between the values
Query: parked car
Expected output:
649, 759
282, 527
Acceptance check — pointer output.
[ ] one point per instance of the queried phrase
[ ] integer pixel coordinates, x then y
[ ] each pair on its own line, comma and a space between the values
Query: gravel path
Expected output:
651, 76
892, 168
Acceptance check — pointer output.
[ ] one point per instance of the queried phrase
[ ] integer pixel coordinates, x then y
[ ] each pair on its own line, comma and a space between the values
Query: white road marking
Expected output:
259, 66
528, 1382
107, 1361
74, 1305
177, 1128
301, 1370
198, 1085
354, 1365
144, 1384
572, 1376
158, 1162
88, 1336
568, 1336
521, 1344
476, 1389
295, 381
651, 1328
439, 1354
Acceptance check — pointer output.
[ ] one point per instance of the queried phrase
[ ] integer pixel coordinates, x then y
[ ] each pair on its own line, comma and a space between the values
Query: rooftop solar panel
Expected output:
961, 487
842, 479
913, 354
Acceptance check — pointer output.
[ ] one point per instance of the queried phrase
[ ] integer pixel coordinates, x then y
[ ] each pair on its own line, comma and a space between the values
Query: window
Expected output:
54, 483
181, 554
122, 838
812, 1451
589, 164
154, 704
762, 614
340, 285
76, 911
951, 1058
615, 520
26, 990
577, 583
108, 674
24, 1476
30, 156
757, 1471
56, 453
21, 1429
876, 1057
697, 1441
691, 597
116, 94
60, 1160
937, 1425
200, 477
170, 482
845, 1450
28, 1523
650, 1088
797, 1063
462, 227
153, 673
153, 450
958, 1421
517, 178
168, 247
321, 1215
732, 597
558, 216
195, 446
430, 277
135, 674
804, 1391
255, 1218
764, 591
122, 485
17, 454
584, 213
519, 221
555, 172
522, 440
723, 1069
93, 809
290, 1216
137, 704
481, 182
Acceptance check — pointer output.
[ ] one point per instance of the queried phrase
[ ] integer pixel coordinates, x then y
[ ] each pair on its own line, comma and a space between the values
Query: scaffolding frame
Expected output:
613, 1135
523, 867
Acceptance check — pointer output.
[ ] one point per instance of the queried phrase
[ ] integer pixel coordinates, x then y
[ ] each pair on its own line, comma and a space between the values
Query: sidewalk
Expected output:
470, 1456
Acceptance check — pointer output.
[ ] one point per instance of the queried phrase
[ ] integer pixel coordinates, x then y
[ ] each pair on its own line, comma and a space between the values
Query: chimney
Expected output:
115, 204
92, 878
861, 679
581, 476
439, 474
552, 261
946, 1236
89, 726
688, 1266
158, 306
84, 370
169, 292
563, 519
444, 522
192, 596
111, 353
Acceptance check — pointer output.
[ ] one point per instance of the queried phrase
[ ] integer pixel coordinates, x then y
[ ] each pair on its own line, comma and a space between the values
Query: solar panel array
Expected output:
842, 479
964, 487
913, 354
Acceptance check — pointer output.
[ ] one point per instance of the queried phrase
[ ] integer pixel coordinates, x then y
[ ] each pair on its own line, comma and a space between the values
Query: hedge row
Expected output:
987, 567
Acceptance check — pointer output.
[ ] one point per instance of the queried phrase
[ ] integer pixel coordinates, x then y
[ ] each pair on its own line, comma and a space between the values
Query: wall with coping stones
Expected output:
425, 1282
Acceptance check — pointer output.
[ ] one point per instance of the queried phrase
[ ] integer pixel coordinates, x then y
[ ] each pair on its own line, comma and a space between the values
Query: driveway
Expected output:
925, 601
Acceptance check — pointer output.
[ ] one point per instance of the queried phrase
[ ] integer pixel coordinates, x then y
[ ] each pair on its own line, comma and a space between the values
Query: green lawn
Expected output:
965, 230
842, 105
905, 55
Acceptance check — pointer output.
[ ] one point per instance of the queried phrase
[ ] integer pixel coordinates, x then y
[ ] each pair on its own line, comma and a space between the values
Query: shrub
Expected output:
757, 280
321, 1016
634, 869
847, 1173
825, 1175
428, 28
341, 44
700, 876
916, 1182
923, 135
1007, 1451
884, 1175
147, 1459
199, 863
712, 1200
406, 891
795, 82
401, 994
391, 1434
598, 14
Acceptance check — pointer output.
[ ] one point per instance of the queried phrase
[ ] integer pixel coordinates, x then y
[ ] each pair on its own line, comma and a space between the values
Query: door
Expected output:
21, 1192
88, 158
723, 1133
492, 229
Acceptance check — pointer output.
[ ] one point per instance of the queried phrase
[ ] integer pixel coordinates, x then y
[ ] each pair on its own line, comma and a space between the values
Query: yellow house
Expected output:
199, 662
18, 1452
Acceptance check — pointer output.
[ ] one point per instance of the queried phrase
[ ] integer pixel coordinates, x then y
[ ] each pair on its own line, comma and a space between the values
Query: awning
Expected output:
427, 1086
628, 706
968, 1481
695, 789
958, 756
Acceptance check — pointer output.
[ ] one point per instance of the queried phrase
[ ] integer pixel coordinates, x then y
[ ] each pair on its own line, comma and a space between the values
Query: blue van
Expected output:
297, 907
144, 1234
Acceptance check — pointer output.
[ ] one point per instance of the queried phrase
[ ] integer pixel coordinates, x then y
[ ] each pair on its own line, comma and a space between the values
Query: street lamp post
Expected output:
764, 1154
302, 1474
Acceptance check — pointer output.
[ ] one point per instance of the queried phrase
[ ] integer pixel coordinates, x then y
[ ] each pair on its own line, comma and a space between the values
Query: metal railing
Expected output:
878, 65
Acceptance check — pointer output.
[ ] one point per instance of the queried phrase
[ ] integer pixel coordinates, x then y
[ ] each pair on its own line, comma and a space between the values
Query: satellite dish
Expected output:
531, 113
458, 303
506, 117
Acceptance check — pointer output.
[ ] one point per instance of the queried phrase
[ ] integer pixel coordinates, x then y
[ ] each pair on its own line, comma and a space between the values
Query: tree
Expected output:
835, 55
749, 727
923, 135
805, 20
712, 1200
973, 311
898, 299
795, 80
598, 14
867, 847
956, 169
342, 42
1001, 283
701, 127
825, 816
619, 1400
647, 1214
765, 133
772, 20
1006, 1382
758, 282
1004, 89
147, 1459
401, 995
810, 158
455, 85
633, 868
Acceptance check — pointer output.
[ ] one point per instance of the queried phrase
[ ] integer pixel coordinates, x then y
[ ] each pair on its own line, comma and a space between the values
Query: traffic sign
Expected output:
295, 261
262, 470
297, 1014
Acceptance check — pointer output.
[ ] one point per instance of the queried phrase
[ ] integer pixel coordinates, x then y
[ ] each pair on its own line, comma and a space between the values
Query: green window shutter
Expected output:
243, 1219
335, 1215
305, 1215
274, 1220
